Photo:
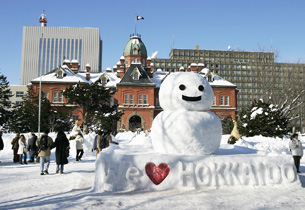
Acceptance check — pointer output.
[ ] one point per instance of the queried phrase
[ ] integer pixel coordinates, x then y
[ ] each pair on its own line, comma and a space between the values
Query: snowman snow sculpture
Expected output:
186, 126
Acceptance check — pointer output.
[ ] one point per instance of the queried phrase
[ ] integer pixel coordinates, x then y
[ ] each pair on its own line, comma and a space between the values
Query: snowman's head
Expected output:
186, 91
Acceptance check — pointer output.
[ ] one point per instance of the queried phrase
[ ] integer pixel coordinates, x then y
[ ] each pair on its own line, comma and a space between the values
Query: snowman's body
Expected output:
186, 126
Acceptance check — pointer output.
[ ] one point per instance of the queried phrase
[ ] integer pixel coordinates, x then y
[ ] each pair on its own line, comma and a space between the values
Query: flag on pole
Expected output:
140, 17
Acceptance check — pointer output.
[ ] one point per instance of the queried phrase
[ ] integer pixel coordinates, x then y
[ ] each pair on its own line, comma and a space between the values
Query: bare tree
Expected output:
283, 85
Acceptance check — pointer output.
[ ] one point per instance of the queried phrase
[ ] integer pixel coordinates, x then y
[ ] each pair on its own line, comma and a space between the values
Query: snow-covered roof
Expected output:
71, 77
218, 81
205, 71
158, 76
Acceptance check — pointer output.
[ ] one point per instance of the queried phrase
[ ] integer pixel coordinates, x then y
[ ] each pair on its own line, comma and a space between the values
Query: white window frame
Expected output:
145, 99
227, 100
55, 97
131, 99
140, 99
126, 99
222, 101
60, 98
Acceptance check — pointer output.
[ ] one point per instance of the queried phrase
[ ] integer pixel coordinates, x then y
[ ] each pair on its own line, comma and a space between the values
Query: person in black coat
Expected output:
32, 148
1, 142
62, 149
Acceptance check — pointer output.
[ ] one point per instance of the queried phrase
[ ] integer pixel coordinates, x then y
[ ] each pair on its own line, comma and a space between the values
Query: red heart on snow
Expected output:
157, 173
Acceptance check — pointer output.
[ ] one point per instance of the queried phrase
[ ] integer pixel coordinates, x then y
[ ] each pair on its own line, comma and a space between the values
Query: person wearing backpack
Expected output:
44, 144
32, 148
105, 140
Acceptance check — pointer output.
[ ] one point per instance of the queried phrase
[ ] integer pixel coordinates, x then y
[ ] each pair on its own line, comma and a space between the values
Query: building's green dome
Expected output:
135, 46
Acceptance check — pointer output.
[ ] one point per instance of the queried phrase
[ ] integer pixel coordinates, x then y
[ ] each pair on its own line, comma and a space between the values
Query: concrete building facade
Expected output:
254, 73
45, 48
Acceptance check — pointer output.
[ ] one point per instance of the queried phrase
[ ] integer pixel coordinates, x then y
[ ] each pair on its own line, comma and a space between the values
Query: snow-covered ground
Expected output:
22, 186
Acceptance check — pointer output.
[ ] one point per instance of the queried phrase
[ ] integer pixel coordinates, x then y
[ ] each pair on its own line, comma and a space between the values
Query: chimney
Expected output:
88, 67
118, 65
115, 68
193, 67
122, 60
200, 66
74, 66
148, 61
181, 69
120, 73
67, 63
197, 47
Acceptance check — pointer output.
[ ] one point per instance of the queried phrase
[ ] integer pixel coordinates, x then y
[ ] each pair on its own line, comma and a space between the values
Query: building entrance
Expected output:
134, 123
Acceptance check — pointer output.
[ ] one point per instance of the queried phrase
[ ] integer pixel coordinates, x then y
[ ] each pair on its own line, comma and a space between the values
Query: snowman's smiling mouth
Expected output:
187, 98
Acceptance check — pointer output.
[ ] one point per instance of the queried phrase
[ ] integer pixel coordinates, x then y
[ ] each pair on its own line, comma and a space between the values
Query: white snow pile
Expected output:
135, 165
22, 186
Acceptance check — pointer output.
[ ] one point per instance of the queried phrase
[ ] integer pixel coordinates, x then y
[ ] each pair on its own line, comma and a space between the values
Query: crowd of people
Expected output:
38, 149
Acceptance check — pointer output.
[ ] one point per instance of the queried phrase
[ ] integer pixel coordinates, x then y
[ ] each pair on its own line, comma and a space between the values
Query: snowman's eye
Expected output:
182, 87
201, 88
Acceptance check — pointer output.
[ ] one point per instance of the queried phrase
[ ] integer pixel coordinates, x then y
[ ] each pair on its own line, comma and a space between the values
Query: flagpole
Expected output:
39, 106
135, 27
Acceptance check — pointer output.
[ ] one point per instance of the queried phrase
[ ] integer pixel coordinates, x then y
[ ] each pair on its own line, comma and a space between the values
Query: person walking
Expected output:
295, 146
32, 148
1, 142
79, 146
106, 140
44, 144
15, 146
62, 148
22, 151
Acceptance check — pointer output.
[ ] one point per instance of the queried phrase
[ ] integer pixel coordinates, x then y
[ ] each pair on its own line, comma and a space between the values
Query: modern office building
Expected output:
254, 73
45, 48
245, 69
16, 94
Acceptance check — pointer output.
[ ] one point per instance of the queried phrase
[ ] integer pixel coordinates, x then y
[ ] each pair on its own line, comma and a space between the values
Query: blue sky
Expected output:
213, 25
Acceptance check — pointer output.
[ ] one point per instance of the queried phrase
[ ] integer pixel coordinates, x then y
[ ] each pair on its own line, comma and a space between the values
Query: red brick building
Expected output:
137, 92
137, 86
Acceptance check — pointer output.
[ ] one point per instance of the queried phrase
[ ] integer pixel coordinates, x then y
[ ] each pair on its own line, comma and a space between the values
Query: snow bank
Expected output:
252, 162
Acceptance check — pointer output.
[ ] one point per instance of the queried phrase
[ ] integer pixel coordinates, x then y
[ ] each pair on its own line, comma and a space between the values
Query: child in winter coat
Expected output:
296, 149
22, 151
79, 146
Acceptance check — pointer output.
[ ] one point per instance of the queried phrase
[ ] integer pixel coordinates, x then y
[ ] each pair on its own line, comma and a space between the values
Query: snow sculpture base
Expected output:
119, 172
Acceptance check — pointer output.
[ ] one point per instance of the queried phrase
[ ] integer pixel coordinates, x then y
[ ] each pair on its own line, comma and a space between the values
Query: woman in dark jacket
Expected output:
62, 147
